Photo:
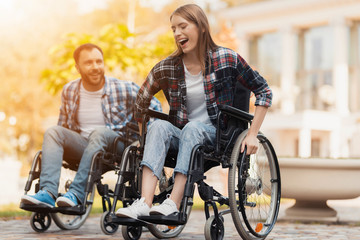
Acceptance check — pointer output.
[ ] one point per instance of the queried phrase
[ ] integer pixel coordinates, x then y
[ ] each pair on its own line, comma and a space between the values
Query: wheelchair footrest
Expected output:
36, 208
170, 220
77, 210
125, 221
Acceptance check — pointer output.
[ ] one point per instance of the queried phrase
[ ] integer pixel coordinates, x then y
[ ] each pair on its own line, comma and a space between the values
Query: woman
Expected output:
188, 78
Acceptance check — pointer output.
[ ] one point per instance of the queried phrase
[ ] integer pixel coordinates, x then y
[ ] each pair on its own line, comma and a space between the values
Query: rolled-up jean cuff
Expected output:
150, 167
177, 170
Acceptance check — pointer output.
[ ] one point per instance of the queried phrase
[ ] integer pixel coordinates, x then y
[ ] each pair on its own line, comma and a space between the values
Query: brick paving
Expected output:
347, 227
20, 229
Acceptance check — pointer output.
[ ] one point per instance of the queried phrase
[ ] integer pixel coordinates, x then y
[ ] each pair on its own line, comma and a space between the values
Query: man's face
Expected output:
91, 68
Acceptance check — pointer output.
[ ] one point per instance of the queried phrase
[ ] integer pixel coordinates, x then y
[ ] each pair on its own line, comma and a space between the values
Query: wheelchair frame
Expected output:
101, 163
202, 159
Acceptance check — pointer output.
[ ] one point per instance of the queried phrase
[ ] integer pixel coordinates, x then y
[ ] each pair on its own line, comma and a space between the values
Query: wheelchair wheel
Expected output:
40, 222
131, 232
254, 189
106, 227
214, 230
71, 222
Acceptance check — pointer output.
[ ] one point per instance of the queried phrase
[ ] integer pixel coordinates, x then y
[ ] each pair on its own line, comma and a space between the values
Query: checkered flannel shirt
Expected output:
225, 68
118, 103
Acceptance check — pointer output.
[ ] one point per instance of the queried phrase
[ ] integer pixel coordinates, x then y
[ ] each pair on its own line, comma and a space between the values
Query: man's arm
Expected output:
62, 121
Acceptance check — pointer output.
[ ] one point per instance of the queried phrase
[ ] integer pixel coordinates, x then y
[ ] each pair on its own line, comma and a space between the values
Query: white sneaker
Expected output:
136, 209
166, 208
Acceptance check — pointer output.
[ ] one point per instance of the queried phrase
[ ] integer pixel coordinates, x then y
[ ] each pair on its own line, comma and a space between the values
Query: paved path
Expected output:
348, 227
20, 229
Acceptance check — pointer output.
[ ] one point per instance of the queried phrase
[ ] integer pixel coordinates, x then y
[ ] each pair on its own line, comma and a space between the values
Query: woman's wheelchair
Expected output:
70, 218
254, 185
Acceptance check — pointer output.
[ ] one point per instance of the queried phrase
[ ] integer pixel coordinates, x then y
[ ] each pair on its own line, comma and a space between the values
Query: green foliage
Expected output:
124, 55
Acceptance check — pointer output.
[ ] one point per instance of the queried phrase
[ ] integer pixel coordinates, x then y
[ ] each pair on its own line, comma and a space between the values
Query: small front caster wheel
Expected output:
107, 227
131, 232
214, 228
40, 222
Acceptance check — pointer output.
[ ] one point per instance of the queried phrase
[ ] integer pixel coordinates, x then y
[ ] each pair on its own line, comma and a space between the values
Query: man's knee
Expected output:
53, 132
193, 128
99, 132
160, 126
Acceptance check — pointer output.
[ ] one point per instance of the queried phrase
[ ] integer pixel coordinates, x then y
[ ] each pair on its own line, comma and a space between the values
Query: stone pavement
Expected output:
348, 227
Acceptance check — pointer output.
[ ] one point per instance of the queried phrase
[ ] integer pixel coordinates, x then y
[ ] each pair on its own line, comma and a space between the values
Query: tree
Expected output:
122, 59
39, 27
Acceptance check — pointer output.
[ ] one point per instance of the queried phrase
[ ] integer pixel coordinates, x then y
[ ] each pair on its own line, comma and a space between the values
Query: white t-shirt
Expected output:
90, 114
196, 105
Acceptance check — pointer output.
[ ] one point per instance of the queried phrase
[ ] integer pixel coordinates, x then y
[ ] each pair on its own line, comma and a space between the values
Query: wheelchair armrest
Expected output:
133, 126
156, 114
147, 113
236, 112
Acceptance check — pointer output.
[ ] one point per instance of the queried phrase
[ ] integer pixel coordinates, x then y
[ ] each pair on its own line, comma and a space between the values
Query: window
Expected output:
314, 74
354, 68
265, 57
315, 147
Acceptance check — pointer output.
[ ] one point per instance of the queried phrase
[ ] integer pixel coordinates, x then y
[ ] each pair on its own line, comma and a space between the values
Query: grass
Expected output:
12, 211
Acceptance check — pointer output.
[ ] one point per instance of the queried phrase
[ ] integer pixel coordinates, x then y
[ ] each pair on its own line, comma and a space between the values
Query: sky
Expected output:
12, 8
7, 7
87, 6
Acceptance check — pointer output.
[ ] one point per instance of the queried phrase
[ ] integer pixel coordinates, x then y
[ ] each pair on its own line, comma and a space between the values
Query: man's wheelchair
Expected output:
254, 184
70, 218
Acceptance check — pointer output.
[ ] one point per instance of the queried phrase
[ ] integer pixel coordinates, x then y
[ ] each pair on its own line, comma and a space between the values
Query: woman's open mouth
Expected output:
183, 41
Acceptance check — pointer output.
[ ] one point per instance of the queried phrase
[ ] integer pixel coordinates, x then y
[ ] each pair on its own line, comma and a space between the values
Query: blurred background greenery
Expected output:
39, 36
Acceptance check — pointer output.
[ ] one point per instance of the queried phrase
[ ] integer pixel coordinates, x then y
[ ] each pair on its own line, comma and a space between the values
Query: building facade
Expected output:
309, 51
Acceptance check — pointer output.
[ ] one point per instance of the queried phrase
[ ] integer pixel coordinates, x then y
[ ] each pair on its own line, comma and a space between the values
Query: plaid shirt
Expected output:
117, 104
225, 68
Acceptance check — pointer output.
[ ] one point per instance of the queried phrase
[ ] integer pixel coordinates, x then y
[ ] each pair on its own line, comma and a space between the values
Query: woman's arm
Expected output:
258, 85
250, 140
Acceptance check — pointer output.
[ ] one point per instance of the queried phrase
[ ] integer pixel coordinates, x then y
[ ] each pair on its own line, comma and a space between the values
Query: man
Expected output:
94, 111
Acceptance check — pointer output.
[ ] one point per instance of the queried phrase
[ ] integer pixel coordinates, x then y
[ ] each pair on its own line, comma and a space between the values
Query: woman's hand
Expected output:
251, 141
252, 144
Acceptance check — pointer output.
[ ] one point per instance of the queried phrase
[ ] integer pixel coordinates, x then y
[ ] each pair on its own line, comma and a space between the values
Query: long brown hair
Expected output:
193, 13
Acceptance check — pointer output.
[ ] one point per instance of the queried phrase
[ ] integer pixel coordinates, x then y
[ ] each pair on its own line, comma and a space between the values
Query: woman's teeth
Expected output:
183, 41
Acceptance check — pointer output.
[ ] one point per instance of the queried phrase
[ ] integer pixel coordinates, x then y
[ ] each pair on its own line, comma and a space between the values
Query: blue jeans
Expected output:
61, 143
163, 136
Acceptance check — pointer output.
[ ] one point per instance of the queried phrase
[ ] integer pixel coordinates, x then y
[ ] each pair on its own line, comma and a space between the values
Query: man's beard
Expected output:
86, 78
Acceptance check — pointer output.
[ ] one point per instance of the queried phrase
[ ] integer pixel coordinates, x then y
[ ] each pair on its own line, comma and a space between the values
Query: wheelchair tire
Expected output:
72, 222
254, 189
214, 230
40, 222
131, 232
106, 227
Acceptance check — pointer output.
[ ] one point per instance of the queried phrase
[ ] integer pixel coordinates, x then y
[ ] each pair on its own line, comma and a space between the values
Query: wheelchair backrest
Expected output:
241, 98
230, 126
